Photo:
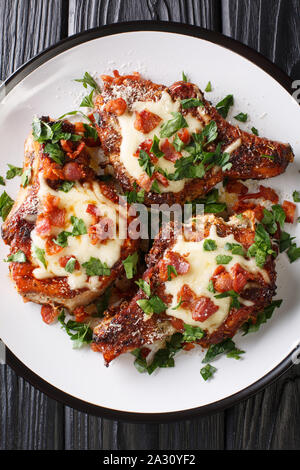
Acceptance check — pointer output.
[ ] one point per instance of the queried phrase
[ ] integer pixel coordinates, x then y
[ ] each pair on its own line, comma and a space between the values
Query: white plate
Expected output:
48, 89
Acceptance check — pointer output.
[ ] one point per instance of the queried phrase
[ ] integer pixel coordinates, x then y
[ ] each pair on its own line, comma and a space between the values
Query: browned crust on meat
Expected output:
128, 330
247, 161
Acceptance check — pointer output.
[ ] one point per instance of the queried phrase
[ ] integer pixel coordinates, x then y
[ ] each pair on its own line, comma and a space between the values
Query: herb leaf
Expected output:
80, 333
79, 227
6, 203
66, 186
152, 305
223, 259
88, 80
39, 253
18, 257
155, 147
87, 101
173, 125
95, 267
192, 333
70, 266
207, 371
208, 87
224, 105
144, 286
242, 117
26, 177
191, 103
209, 245
130, 264
227, 346
13, 171
261, 318
296, 196
55, 152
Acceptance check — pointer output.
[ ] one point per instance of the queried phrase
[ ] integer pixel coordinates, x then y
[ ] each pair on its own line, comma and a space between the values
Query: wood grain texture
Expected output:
28, 418
85, 14
272, 27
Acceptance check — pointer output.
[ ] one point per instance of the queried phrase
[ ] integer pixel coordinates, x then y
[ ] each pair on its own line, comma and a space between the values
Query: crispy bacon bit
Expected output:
161, 179
177, 323
222, 280
289, 209
49, 314
75, 153
245, 237
102, 231
188, 346
43, 226
236, 187
51, 247
66, 145
55, 215
259, 212
145, 121
80, 314
117, 106
184, 135
146, 146
169, 151
203, 308
145, 352
94, 211
186, 295
240, 277
181, 265
265, 193
64, 259
51, 170
145, 182
73, 171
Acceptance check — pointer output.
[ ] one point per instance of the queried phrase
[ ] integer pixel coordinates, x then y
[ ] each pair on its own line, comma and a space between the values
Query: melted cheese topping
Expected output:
202, 266
75, 203
131, 138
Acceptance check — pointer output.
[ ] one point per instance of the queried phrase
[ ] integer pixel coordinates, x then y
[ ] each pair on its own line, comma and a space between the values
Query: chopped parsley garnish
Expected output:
271, 157
18, 257
145, 162
192, 333
39, 253
208, 87
223, 259
80, 333
171, 270
62, 239
173, 125
210, 132
293, 253
13, 171
163, 358
144, 286
235, 248
207, 371
211, 204
210, 287
79, 227
55, 152
178, 305
87, 101
6, 203
2, 182
262, 317
26, 177
155, 187
227, 346
254, 130
242, 117
88, 80
177, 143
235, 303
66, 186
135, 196
224, 105
261, 247
184, 77
279, 215
286, 241
130, 264
95, 267
191, 103
296, 196
70, 266
155, 148
90, 132
152, 305
209, 245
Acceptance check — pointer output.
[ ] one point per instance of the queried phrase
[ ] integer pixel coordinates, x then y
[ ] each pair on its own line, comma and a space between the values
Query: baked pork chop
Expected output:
174, 144
64, 227
205, 283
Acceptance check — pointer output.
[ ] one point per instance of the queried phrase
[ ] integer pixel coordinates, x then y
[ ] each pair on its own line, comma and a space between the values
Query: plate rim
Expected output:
168, 27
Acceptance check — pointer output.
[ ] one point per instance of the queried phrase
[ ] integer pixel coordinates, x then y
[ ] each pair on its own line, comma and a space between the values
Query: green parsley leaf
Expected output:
95, 267
155, 147
191, 103
209, 245
254, 130
210, 287
177, 143
70, 266
18, 257
215, 208
234, 298
271, 157
235, 248
184, 77
210, 132
90, 132
171, 270
130, 264
135, 196
2, 182
79, 227
155, 187
173, 125
224, 105
87, 101
152, 305
285, 241
192, 333
26, 177
261, 318
242, 117
223, 259
80, 333
293, 253
261, 247
13, 171
235, 353
208, 87
215, 350
296, 196
55, 152
41, 131
66, 186
178, 305
144, 286
6, 203
39, 253
207, 371
279, 214
145, 163
88, 80
62, 239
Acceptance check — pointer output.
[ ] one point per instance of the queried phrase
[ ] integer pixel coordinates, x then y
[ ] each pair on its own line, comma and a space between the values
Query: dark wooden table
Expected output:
28, 418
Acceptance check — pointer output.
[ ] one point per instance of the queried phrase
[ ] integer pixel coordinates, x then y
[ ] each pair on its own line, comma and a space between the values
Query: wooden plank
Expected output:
85, 14
28, 418
272, 27
86, 432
